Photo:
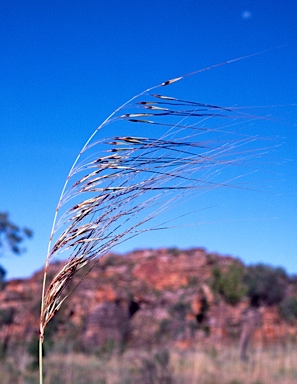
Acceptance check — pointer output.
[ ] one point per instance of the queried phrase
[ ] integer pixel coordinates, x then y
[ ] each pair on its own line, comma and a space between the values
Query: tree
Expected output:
11, 235
11, 239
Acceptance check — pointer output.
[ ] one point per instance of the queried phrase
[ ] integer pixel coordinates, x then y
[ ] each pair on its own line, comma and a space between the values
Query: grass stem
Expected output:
40, 361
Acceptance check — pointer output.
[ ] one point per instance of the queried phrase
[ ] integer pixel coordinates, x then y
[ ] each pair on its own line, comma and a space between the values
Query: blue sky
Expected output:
65, 66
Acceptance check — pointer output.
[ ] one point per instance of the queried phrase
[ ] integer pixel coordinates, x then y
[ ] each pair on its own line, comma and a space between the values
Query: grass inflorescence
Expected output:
162, 149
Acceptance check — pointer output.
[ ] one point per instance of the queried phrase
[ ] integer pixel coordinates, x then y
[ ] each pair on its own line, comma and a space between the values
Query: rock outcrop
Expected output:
143, 298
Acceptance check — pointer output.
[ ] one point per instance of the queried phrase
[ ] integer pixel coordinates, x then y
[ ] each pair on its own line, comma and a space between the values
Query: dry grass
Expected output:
273, 365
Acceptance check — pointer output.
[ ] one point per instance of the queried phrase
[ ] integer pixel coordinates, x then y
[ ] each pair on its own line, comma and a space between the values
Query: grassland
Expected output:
212, 366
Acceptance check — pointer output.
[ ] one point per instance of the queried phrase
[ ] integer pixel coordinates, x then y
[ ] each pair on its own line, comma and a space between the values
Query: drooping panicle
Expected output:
127, 174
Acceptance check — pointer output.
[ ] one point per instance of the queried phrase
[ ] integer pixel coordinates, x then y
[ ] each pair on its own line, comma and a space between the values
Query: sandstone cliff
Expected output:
141, 299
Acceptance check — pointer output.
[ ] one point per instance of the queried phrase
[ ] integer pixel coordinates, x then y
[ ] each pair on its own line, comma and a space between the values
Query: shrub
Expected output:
32, 349
174, 251
193, 281
157, 369
6, 316
179, 309
2, 277
163, 330
288, 309
235, 381
229, 284
266, 285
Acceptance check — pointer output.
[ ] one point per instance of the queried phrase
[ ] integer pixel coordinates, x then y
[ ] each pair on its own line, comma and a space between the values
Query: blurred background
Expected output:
65, 66
177, 311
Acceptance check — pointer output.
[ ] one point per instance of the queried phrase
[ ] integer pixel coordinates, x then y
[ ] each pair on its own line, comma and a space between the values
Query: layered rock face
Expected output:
141, 299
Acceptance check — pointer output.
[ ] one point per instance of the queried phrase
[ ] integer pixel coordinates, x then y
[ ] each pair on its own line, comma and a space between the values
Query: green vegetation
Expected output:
6, 316
156, 368
174, 251
193, 281
12, 236
179, 309
229, 284
262, 284
288, 309
266, 285
11, 239
163, 330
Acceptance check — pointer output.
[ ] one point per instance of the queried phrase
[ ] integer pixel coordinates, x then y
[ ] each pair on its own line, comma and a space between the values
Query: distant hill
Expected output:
179, 298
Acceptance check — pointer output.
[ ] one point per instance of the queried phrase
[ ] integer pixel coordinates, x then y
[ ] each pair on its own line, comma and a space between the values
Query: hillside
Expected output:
143, 299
